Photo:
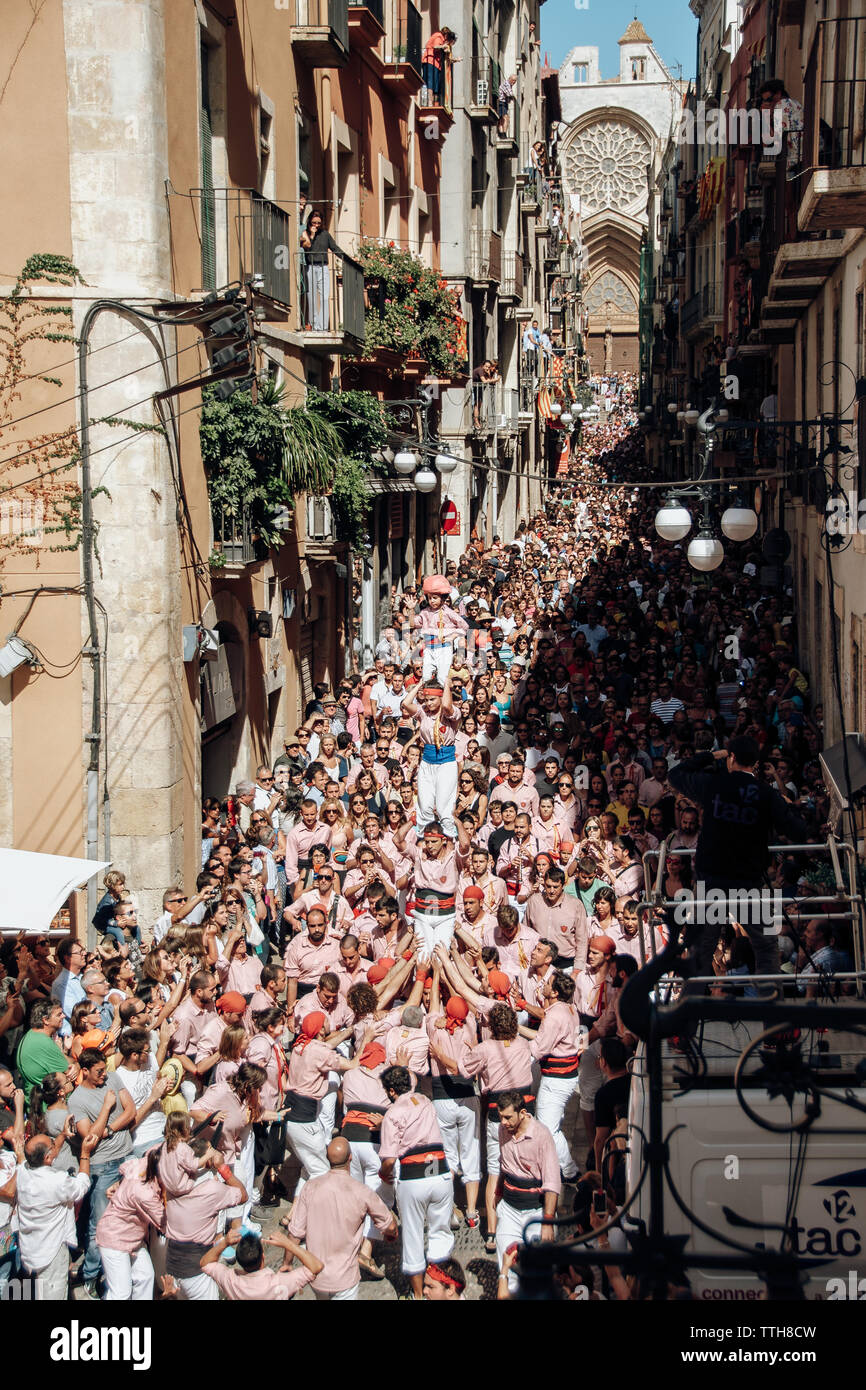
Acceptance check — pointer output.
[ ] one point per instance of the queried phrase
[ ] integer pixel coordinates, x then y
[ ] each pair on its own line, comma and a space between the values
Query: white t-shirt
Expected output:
139, 1084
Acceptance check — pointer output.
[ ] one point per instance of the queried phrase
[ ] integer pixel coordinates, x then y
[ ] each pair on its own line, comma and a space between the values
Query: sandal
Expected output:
490, 1243
368, 1264
472, 1219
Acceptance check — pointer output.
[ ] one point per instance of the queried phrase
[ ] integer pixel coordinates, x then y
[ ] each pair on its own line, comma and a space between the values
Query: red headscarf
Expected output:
378, 971
311, 1026
456, 1011
499, 983
373, 1056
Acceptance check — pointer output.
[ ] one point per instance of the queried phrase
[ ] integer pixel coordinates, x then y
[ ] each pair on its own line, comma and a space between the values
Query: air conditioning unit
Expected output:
320, 522
482, 92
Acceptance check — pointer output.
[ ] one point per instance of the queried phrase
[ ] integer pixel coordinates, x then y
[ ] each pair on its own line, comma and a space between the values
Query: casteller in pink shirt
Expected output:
276, 1285
329, 1216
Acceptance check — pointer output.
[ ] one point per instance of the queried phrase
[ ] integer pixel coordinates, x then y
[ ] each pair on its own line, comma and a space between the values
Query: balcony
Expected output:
435, 103
511, 284
801, 268
320, 32
485, 257
526, 399
483, 399
508, 143
530, 193
834, 128
403, 49
483, 91
232, 539
508, 411
366, 22
269, 238
332, 304
690, 315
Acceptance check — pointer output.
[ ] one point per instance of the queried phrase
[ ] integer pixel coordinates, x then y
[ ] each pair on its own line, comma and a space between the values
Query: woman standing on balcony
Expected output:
318, 243
436, 67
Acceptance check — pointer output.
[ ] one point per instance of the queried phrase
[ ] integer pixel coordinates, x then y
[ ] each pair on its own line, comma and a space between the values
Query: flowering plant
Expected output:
410, 307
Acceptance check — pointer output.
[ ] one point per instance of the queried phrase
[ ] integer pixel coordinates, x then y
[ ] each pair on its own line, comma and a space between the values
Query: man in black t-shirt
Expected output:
613, 1092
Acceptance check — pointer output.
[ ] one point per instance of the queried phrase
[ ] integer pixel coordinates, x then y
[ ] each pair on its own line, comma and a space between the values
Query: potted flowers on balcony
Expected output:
410, 311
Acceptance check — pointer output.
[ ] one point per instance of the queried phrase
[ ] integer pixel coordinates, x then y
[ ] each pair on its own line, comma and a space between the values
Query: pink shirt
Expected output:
437, 874
134, 1207
566, 816
559, 1032
531, 1155
409, 1123
513, 955
259, 1002
306, 961
500, 1066
379, 1027
525, 798
191, 1021
272, 1284
452, 1044
299, 842
485, 922
493, 889
532, 986
339, 1015
383, 945
236, 1125
343, 921
548, 835
347, 979
363, 1087
308, 1070
441, 624
448, 724
193, 1217
416, 1043
178, 1170
243, 975
329, 1216
564, 923
355, 877
266, 1053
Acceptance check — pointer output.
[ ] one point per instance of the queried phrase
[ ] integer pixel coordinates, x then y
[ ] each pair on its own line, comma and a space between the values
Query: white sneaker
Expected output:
255, 1196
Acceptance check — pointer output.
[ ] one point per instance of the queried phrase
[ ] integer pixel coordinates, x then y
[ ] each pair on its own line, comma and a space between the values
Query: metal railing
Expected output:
376, 8
403, 42
233, 536
485, 254
846, 897
711, 301
331, 294
441, 95
316, 14
690, 313
834, 124
485, 79
530, 193
270, 240
483, 398
511, 283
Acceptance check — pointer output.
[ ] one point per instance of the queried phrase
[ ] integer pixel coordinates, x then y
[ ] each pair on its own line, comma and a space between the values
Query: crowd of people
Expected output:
391, 997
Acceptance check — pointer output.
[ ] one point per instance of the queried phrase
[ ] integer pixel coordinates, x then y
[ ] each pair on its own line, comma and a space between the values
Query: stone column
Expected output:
118, 162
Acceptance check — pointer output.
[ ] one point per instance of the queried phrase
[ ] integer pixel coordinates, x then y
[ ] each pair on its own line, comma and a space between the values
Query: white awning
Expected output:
33, 887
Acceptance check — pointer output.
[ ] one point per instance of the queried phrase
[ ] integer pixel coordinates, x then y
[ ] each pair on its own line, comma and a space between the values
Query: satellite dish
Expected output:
777, 545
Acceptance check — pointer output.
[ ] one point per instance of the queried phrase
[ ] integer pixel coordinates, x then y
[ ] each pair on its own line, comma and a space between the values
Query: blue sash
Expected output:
446, 754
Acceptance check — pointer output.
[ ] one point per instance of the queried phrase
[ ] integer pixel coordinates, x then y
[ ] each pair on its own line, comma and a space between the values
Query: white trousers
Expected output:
307, 1143
364, 1168
53, 1281
509, 1228
437, 662
492, 1142
429, 1200
437, 795
129, 1277
343, 1296
554, 1093
460, 1124
591, 1078
198, 1289
244, 1167
434, 930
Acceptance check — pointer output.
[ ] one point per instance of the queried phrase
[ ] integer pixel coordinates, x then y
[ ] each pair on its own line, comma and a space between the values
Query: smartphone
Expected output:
599, 1203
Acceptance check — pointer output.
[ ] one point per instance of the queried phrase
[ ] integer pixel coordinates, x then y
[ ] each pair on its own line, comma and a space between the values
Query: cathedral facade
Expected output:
613, 132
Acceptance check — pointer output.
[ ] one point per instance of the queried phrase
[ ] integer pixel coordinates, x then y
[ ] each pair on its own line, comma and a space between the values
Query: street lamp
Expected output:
405, 462
705, 552
446, 463
739, 523
425, 479
566, 418
673, 521
692, 416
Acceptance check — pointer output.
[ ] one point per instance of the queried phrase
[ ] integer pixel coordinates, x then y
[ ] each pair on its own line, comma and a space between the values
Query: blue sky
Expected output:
669, 23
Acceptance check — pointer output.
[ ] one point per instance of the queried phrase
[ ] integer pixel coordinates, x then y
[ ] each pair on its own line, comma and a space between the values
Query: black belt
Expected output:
524, 1194
449, 1087
560, 1066
305, 989
589, 1020
424, 1161
356, 1129
303, 1110
183, 1258
492, 1100
563, 962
